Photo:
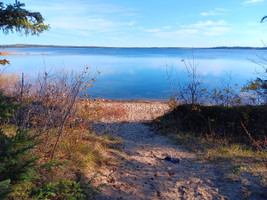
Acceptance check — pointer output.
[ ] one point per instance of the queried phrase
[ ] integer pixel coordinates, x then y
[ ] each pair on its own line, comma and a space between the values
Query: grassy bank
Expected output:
47, 141
234, 138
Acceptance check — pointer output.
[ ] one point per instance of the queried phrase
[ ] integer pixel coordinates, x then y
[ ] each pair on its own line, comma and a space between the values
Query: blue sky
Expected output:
148, 23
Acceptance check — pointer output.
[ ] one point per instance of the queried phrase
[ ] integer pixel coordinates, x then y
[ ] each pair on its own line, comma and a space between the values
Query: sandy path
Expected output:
144, 174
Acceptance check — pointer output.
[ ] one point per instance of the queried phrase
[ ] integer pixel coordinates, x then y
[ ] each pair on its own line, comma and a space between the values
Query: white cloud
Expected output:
116, 38
85, 23
79, 7
211, 28
252, 1
199, 29
166, 27
131, 23
211, 12
222, 9
86, 18
216, 11
177, 35
88, 25
152, 30
83, 16
216, 31
208, 23
155, 30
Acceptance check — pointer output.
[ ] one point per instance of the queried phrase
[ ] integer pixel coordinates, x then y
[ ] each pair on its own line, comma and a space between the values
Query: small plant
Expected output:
8, 83
7, 107
52, 105
17, 162
256, 91
191, 91
239, 170
219, 121
62, 189
228, 96
246, 193
231, 137
50, 114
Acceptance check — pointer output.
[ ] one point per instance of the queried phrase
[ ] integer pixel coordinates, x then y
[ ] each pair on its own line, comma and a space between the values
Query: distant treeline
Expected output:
61, 46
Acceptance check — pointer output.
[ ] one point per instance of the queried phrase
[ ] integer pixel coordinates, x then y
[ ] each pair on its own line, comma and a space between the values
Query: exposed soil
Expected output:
143, 172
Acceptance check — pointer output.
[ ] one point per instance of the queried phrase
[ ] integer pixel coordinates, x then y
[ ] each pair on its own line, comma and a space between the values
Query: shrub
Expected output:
62, 189
221, 121
7, 107
16, 161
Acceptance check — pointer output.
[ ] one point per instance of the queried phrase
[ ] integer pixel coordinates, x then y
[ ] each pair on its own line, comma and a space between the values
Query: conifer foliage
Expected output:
15, 18
16, 162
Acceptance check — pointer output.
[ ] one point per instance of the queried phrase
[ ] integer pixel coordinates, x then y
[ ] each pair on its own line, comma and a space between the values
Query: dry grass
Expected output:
53, 112
87, 151
9, 83
235, 159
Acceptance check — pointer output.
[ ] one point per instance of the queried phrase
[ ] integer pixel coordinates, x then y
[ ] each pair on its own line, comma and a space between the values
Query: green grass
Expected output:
77, 152
238, 158
89, 151
239, 162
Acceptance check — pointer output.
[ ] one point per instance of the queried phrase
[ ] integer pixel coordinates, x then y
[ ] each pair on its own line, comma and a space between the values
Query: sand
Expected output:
143, 173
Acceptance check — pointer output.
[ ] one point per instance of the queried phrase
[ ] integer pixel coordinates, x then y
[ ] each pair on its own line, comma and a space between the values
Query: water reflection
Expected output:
138, 74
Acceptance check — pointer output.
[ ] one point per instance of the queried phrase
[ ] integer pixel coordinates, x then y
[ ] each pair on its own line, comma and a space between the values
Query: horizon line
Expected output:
122, 47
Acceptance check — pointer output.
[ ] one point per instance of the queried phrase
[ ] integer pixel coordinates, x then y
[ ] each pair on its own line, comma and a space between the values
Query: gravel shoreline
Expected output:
141, 172
124, 111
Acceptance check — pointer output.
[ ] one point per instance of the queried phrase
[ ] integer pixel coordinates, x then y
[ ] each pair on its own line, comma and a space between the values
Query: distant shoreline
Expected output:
7, 53
106, 47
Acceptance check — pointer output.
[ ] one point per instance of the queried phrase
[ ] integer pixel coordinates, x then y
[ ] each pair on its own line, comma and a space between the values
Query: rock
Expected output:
173, 160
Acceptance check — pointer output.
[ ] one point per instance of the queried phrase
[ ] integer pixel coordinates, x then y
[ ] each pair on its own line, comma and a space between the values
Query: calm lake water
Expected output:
136, 73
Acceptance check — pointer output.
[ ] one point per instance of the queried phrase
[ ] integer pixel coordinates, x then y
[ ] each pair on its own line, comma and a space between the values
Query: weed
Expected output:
17, 166
246, 193
88, 151
62, 189
9, 83
57, 113
236, 159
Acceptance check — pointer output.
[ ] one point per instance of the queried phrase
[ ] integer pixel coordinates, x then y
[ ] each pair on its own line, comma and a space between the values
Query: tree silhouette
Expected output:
262, 19
15, 18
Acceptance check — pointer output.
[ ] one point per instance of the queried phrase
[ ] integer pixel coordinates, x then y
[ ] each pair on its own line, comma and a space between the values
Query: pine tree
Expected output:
15, 18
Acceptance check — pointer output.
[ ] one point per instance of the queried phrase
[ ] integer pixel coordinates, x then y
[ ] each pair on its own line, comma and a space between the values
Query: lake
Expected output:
139, 73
